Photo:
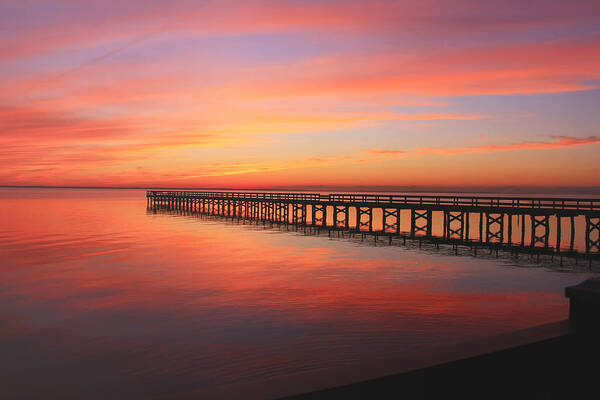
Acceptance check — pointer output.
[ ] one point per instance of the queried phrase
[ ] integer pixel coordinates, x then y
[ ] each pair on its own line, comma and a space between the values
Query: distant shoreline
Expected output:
595, 190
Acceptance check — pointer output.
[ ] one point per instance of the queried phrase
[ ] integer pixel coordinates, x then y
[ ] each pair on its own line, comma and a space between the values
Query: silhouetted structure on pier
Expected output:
466, 220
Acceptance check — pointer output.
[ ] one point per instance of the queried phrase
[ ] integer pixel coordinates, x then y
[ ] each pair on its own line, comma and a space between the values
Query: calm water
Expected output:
100, 298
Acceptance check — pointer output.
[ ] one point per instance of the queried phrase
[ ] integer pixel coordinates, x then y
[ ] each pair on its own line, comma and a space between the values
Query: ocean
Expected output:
102, 298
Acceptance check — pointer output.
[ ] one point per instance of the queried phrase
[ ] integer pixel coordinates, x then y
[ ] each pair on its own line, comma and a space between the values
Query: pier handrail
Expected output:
473, 201
401, 199
238, 195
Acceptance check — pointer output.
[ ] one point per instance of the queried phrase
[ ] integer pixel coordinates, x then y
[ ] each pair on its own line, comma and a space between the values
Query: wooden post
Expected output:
510, 228
572, 244
481, 227
429, 222
558, 232
587, 234
533, 230
303, 211
547, 231
446, 225
335, 215
347, 208
487, 227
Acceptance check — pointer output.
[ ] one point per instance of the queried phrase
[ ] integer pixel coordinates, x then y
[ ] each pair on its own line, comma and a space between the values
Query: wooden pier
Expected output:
544, 225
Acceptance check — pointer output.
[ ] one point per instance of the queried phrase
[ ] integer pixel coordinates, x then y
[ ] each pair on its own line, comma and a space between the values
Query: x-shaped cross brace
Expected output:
591, 227
499, 220
455, 217
340, 222
363, 211
418, 216
542, 222
391, 213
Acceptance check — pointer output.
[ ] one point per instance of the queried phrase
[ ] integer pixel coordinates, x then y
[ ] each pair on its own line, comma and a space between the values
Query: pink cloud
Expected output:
559, 142
92, 23
386, 152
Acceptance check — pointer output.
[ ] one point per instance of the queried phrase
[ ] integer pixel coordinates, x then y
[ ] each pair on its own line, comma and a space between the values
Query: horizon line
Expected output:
367, 188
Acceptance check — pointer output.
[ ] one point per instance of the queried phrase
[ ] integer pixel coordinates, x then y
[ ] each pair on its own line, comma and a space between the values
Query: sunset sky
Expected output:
291, 93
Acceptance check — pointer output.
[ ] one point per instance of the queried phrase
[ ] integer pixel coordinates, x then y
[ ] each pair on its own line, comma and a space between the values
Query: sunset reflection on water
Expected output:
99, 297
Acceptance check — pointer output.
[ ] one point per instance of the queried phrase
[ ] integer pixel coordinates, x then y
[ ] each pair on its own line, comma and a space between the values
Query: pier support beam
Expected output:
454, 224
420, 221
540, 230
298, 213
592, 234
558, 232
494, 228
391, 220
337, 221
319, 215
362, 223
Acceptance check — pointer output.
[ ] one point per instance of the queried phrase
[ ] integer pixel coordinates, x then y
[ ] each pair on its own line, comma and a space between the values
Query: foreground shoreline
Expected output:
550, 361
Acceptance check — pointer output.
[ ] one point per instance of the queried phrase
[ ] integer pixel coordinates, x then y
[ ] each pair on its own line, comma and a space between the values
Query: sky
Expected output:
257, 94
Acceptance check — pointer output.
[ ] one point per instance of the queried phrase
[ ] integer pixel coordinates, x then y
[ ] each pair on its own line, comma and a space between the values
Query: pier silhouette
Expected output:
514, 225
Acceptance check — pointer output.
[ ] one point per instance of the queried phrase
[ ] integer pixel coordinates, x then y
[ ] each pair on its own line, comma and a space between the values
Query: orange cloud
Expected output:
334, 80
386, 152
558, 143
358, 157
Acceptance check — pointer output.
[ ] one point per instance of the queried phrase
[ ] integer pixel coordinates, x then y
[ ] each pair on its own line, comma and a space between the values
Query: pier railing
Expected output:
473, 201
238, 195
546, 203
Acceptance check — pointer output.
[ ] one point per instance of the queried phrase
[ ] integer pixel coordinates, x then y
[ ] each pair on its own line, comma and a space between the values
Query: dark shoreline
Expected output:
551, 361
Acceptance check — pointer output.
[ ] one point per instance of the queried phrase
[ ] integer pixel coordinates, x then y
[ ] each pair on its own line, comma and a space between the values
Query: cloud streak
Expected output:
74, 23
379, 155
559, 142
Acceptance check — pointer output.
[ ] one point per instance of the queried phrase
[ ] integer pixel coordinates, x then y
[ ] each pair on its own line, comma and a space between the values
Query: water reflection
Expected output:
99, 299
530, 256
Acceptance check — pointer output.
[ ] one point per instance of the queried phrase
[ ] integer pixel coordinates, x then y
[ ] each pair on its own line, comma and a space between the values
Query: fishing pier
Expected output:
547, 225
